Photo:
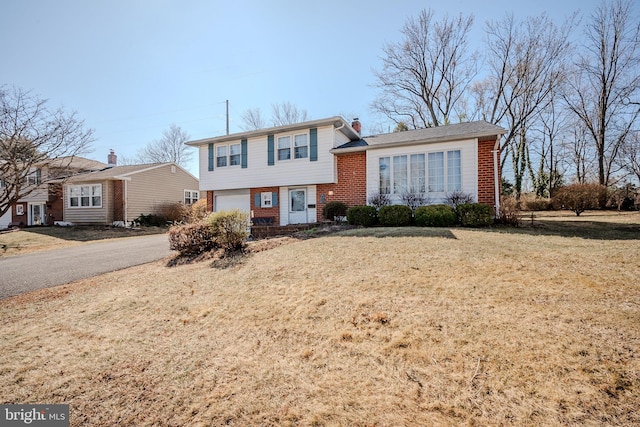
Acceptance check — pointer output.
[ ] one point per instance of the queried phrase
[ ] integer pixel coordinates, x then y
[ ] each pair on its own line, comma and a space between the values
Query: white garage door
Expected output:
5, 220
227, 200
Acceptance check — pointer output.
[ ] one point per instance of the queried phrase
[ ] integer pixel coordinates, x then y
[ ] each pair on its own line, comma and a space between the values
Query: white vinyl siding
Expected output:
293, 171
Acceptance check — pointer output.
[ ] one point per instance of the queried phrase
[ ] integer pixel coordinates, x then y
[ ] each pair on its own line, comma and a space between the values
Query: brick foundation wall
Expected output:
486, 189
272, 212
351, 187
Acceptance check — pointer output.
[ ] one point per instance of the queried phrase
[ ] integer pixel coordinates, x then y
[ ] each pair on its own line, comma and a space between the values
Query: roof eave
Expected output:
336, 121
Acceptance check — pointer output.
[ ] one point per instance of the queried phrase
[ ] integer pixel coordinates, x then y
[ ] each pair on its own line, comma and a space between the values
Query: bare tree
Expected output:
286, 113
525, 66
34, 138
425, 76
631, 155
252, 119
170, 148
607, 82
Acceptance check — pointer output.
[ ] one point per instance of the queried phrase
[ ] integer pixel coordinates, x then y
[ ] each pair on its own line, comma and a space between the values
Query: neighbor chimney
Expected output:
355, 124
112, 159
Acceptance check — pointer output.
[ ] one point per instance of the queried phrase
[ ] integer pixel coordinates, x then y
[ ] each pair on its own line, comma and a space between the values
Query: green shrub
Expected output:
580, 197
366, 216
191, 239
150, 220
435, 216
395, 216
334, 209
475, 215
230, 229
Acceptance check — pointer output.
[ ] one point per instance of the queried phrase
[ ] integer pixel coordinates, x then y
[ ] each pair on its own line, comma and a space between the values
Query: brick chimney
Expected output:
112, 159
356, 125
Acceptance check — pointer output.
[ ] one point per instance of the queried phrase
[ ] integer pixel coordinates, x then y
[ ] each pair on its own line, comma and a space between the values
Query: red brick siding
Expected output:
486, 182
118, 200
55, 204
19, 219
210, 201
259, 212
351, 187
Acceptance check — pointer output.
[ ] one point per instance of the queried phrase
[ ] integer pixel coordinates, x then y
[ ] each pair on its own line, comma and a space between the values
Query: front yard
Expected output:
378, 327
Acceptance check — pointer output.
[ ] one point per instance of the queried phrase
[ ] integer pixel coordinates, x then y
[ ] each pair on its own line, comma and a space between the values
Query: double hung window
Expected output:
221, 156
85, 196
284, 148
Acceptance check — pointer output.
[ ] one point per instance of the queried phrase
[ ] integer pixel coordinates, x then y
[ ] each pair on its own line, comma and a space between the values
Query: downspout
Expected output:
496, 176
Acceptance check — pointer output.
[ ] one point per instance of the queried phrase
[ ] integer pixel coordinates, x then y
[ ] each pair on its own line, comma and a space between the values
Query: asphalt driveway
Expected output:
25, 273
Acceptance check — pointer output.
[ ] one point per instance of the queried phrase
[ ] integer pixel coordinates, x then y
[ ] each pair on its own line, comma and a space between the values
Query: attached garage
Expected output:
232, 199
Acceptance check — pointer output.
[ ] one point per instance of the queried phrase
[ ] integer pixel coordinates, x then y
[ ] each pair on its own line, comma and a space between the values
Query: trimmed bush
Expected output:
174, 212
475, 215
191, 239
379, 200
580, 197
198, 211
366, 216
395, 216
538, 205
230, 229
435, 216
333, 210
458, 198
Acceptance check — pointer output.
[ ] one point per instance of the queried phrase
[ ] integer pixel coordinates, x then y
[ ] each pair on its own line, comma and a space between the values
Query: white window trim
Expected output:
19, 209
227, 155
79, 197
266, 200
193, 196
292, 147
426, 170
34, 175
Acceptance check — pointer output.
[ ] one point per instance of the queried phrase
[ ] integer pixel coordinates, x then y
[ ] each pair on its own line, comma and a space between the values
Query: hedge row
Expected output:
466, 214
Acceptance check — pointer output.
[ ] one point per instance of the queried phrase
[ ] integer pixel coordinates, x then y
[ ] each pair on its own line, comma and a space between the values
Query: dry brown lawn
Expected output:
380, 327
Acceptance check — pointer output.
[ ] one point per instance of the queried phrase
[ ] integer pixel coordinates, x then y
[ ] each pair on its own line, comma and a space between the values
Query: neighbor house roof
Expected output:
337, 122
115, 172
76, 162
445, 133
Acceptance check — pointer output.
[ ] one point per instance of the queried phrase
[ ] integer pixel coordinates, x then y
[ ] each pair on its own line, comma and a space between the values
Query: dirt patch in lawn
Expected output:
365, 328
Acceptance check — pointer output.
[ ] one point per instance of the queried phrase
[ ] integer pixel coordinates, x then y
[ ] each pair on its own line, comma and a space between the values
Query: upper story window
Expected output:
191, 196
85, 196
221, 156
301, 146
284, 148
2, 183
35, 177
234, 155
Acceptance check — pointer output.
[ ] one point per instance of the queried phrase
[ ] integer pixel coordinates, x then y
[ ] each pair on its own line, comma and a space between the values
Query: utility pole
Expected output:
227, 116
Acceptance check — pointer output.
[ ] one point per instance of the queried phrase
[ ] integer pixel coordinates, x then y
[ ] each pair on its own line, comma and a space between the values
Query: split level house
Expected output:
286, 174
95, 193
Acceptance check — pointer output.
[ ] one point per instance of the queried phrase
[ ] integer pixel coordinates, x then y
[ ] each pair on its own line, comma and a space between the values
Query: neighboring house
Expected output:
43, 205
120, 194
288, 173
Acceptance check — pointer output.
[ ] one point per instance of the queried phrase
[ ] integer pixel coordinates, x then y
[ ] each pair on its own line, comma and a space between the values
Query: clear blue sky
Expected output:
130, 68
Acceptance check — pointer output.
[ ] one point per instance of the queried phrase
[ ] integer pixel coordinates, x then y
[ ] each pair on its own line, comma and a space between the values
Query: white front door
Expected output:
36, 214
298, 206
